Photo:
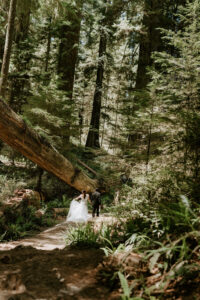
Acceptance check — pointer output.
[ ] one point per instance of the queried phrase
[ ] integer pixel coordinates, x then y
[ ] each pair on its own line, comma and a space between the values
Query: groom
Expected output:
96, 202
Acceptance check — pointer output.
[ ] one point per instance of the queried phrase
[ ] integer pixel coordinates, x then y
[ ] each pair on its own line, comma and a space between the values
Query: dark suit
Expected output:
96, 202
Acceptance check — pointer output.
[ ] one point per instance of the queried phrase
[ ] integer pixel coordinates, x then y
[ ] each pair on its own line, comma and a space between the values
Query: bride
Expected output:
78, 211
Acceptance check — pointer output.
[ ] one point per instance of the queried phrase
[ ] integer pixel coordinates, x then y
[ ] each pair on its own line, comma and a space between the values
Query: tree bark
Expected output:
8, 46
16, 134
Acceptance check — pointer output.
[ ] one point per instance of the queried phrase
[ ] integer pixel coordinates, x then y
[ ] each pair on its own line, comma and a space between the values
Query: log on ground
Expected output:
15, 133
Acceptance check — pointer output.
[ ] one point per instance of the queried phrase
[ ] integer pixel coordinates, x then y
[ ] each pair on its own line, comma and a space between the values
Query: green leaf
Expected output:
124, 284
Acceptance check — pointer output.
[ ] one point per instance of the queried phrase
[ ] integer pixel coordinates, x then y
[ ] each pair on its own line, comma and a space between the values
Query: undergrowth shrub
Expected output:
64, 201
170, 242
15, 224
159, 222
83, 236
8, 186
178, 217
86, 235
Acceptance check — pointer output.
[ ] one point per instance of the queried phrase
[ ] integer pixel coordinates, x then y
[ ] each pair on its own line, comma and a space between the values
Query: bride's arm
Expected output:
77, 198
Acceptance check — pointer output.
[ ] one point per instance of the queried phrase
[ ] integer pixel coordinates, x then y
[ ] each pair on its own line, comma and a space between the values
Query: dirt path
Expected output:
52, 238
49, 239
42, 268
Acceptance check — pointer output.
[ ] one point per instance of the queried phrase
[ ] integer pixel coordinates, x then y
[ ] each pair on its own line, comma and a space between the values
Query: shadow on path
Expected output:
42, 268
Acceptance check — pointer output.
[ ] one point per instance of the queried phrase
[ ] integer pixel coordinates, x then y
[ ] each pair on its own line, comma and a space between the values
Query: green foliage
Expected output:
171, 252
8, 186
172, 258
59, 203
112, 250
13, 232
47, 111
84, 236
16, 224
107, 199
126, 289
176, 83
178, 217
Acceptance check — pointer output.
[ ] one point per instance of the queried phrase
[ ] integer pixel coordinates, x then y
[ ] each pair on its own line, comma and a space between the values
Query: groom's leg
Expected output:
98, 211
93, 211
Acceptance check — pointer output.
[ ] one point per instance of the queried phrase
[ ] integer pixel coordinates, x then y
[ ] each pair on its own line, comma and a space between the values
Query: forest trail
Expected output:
54, 237
41, 267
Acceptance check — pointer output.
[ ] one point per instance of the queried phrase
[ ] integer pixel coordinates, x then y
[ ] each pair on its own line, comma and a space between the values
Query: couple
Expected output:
78, 211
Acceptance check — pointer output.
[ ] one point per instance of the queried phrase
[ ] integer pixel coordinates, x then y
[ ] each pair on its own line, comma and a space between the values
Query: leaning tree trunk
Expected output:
8, 46
16, 134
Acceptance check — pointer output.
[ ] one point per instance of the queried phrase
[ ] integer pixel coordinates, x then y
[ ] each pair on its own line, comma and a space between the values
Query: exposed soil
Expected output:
27, 272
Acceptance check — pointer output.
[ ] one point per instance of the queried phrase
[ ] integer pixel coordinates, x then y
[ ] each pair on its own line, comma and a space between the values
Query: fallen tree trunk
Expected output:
15, 133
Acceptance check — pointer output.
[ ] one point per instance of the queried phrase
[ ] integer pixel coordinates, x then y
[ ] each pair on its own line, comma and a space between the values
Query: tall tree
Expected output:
4, 8
110, 12
69, 32
177, 82
156, 14
150, 41
22, 54
8, 46
93, 134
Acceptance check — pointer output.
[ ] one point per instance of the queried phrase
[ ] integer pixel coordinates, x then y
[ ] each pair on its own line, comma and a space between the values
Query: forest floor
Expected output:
42, 268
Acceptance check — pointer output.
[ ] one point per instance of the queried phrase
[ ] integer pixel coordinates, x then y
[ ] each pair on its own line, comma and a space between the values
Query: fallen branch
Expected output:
87, 167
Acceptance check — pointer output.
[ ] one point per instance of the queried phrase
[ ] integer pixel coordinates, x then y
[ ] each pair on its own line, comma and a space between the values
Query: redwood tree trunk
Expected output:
110, 13
93, 134
157, 14
149, 41
4, 12
20, 85
8, 46
68, 49
16, 134
67, 56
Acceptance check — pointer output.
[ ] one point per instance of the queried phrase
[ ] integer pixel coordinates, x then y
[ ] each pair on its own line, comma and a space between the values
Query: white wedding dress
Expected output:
78, 211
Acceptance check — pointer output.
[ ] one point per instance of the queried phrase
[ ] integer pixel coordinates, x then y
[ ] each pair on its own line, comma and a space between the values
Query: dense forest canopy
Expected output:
113, 86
